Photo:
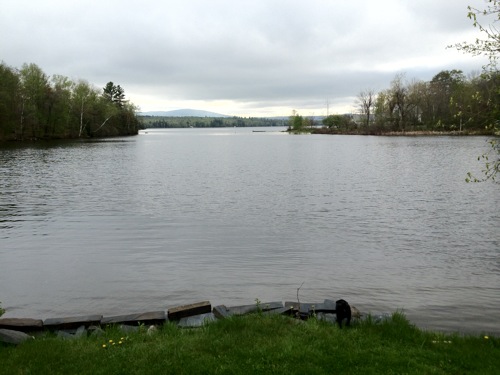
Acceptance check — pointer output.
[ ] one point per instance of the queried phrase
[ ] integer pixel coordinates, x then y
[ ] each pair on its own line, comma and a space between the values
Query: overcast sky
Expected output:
243, 58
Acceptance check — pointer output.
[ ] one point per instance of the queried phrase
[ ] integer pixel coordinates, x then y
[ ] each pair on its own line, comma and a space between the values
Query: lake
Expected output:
177, 216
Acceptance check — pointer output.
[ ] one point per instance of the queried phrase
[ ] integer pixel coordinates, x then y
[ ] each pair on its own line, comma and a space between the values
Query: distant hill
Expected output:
183, 113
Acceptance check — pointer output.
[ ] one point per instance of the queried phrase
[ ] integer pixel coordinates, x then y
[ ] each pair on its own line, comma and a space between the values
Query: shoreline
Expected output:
412, 133
195, 315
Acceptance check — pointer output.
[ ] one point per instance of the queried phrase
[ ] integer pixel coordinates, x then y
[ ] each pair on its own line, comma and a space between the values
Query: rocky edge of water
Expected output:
17, 330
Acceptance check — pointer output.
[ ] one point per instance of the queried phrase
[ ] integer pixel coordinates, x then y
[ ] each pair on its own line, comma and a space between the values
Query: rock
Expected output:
327, 317
126, 328
355, 313
70, 334
81, 331
151, 330
148, 318
21, 324
221, 312
65, 335
380, 318
196, 321
95, 331
179, 312
10, 336
72, 322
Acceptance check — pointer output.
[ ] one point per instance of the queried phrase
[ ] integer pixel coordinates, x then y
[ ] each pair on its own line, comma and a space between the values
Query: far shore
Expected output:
412, 133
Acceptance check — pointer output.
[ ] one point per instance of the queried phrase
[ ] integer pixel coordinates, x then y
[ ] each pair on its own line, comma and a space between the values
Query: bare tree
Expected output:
401, 105
366, 101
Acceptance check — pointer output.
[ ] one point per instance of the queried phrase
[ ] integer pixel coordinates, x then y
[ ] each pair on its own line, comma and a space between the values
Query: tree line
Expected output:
208, 122
449, 102
35, 106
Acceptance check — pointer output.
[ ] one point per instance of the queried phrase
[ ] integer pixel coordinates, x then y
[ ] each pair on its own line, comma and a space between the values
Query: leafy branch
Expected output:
490, 45
491, 161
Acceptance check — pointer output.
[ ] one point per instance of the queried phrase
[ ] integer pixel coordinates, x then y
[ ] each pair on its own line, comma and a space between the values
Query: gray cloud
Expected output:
252, 55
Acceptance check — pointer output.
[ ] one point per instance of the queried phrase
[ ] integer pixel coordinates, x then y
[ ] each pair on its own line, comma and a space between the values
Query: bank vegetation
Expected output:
259, 344
450, 103
34, 106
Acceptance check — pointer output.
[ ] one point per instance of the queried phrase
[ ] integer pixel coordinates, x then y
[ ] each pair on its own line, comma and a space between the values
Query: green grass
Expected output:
260, 344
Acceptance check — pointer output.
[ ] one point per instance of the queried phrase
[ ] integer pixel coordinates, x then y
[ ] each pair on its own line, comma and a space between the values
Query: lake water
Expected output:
230, 215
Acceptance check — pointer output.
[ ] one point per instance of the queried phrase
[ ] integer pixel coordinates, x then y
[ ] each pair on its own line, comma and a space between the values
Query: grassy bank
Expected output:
260, 344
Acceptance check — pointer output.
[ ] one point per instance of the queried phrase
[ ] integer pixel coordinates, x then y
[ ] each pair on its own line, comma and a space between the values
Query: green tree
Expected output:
296, 123
114, 93
421, 103
445, 85
392, 105
9, 101
34, 107
340, 122
102, 112
34, 89
129, 120
83, 101
382, 109
60, 106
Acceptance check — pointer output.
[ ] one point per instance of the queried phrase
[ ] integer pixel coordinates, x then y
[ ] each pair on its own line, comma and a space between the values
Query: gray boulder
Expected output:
13, 337
196, 321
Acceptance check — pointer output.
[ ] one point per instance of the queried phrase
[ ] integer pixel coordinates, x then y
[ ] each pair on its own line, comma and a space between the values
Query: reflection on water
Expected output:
176, 216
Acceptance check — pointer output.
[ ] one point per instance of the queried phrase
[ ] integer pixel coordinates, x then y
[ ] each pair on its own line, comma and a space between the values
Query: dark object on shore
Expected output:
343, 311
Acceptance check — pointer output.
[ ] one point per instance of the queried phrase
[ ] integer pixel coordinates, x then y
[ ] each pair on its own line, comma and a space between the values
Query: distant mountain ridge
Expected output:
183, 113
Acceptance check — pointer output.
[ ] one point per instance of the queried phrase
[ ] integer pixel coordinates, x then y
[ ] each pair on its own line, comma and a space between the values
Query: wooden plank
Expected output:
247, 309
148, 318
268, 306
328, 306
281, 311
179, 312
22, 324
72, 322
222, 311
